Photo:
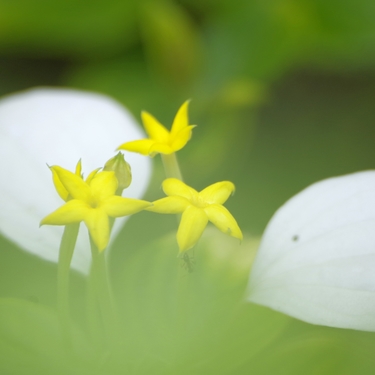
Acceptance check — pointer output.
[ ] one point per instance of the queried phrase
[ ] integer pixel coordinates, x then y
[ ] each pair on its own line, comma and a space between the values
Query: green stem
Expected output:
67, 245
102, 287
94, 321
172, 169
171, 166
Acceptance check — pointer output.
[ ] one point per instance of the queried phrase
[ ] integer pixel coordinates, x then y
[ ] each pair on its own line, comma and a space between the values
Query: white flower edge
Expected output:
316, 261
58, 127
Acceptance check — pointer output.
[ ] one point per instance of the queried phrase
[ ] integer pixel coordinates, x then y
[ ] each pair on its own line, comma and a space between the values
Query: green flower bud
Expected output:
122, 171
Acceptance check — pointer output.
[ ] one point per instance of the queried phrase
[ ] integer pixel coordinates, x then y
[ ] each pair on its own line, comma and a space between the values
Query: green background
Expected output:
283, 94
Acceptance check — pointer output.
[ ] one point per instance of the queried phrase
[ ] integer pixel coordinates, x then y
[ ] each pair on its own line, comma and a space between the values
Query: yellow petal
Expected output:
154, 128
73, 211
75, 186
161, 148
181, 119
193, 222
116, 206
141, 147
169, 205
103, 185
217, 193
98, 225
173, 186
78, 170
181, 138
92, 175
223, 220
64, 194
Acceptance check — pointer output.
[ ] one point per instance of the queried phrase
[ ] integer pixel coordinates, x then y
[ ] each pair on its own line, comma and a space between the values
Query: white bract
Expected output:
57, 127
316, 261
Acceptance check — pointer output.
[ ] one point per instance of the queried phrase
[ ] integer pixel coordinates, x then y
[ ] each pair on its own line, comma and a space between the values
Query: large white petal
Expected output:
57, 126
316, 261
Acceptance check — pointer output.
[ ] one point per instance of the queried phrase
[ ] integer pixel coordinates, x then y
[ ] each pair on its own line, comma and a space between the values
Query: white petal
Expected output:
316, 261
57, 126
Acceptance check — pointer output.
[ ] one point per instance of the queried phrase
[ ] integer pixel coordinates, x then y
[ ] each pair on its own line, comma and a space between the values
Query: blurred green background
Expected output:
283, 94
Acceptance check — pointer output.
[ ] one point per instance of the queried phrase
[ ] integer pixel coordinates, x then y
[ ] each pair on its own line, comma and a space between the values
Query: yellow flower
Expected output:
91, 201
160, 139
197, 209
60, 188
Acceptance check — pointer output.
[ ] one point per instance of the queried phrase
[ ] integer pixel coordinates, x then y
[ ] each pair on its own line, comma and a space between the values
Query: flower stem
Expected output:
104, 294
171, 166
93, 317
67, 245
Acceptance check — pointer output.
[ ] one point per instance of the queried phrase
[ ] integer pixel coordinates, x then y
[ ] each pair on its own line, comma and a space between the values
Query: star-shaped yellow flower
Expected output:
60, 188
91, 201
197, 209
160, 139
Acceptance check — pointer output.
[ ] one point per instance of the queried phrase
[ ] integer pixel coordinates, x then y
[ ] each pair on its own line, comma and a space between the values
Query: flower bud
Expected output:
122, 171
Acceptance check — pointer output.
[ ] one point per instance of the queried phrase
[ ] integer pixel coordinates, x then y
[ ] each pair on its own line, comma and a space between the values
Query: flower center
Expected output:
197, 201
94, 203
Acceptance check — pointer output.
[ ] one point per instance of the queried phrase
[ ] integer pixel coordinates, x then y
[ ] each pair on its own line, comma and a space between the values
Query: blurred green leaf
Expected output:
171, 41
66, 28
190, 322
249, 39
319, 351
31, 341
262, 39
129, 80
344, 35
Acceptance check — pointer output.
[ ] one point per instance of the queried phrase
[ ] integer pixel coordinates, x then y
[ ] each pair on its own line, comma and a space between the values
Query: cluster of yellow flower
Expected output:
98, 198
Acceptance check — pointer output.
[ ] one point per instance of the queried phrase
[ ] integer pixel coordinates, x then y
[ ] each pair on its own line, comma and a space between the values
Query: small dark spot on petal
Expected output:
295, 238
